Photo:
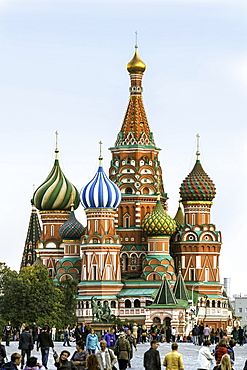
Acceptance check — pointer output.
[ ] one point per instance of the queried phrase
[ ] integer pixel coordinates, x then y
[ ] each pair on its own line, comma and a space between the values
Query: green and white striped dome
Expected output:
56, 192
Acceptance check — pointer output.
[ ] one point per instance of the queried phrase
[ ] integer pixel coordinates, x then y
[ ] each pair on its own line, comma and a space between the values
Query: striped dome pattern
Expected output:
100, 192
158, 222
72, 229
197, 186
56, 192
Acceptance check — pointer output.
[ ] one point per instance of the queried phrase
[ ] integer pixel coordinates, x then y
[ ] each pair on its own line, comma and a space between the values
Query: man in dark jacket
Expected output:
44, 342
152, 357
15, 361
132, 342
25, 344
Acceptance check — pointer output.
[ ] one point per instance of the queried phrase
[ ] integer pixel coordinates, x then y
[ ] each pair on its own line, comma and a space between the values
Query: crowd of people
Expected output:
117, 345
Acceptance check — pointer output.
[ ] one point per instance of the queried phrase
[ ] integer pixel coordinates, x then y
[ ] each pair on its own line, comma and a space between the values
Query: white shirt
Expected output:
103, 358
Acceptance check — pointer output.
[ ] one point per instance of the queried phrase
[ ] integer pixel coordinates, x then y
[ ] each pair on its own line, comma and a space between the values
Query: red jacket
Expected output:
220, 351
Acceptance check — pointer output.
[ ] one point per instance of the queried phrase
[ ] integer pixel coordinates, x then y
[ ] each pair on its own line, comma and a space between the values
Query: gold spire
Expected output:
136, 65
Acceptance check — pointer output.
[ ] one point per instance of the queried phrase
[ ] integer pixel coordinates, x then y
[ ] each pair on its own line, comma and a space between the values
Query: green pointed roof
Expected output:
179, 289
33, 235
165, 294
179, 217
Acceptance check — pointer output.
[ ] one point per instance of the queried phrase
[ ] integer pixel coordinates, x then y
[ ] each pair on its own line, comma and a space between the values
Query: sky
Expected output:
63, 67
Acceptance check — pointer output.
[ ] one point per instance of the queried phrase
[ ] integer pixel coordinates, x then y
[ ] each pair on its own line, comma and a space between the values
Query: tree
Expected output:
31, 296
68, 288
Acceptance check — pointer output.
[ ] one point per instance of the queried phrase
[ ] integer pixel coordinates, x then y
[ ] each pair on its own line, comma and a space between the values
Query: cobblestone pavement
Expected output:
189, 351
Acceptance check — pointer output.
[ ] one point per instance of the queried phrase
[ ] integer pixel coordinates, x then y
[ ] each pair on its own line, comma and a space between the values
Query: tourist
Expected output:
206, 332
152, 357
15, 361
2, 353
240, 336
106, 357
173, 333
204, 356
7, 331
234, 334
225, 363
79, 356
32, 364
78, 333
34, 332
132, 342
231, 353
135, 332
217, 336
212, 336
220, 350
53, 332
200, 336
168, 334
92, 342
144, 334
122, 351
66, 336
111, 339
44, 342
25, 344
174, 360
62, 362
92, 363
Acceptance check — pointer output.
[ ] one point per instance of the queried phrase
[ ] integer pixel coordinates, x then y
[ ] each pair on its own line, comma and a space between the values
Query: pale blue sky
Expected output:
63, 67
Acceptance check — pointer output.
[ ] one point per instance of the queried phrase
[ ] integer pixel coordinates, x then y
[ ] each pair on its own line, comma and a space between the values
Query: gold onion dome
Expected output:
136, 65
56, 192
158, 222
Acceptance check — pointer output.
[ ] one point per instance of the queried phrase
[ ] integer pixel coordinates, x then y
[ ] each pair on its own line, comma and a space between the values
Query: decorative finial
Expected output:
100, 154
56, 150
33, 188
179, 267
197, 152
72, 196
136, 45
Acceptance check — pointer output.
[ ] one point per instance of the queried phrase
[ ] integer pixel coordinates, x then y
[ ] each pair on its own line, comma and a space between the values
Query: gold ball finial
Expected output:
136, 65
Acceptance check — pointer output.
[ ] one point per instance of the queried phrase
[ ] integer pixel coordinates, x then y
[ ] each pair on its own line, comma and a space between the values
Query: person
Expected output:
152, 357
234, 334
66, 336
111, 339
232, 343
122, 351
206, 332
240, 336
34, 332
212, 336
204, 356
32, 364
44, 342
2, 353
8, 331
63, 363
135, 332
200, 336
174, 360
220, 351
225, 363
25, 344
79, 356
132, 342
144, 334
173, 334
106, 357
53, 332
15, 361
92, 362
78, 333
92, 342
168, 334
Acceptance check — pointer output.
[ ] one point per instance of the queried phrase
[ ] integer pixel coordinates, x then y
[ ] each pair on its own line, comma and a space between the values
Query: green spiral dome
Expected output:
56, 192
158, 222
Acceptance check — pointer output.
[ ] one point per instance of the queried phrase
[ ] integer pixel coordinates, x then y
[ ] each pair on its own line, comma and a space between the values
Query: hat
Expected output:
122, 334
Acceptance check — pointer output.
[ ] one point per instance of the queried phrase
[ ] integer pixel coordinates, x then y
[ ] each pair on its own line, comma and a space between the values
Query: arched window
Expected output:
125, 262
142, 256
145, 191
137, 303
128, 191
113, 304
127, 303
134, 259
82, 305
87, 304
208, 303
213, 303
218, 304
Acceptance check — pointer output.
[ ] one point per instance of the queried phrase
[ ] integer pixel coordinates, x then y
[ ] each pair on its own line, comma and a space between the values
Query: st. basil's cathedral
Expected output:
148, 266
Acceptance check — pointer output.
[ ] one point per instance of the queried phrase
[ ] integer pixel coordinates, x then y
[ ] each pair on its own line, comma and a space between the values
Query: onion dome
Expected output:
136, 65
179, 218
56, 192
158, 222
197, 186
100, 192
72, 229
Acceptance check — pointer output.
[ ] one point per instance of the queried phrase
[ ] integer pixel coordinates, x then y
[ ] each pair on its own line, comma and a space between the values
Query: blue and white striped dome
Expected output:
100, 192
